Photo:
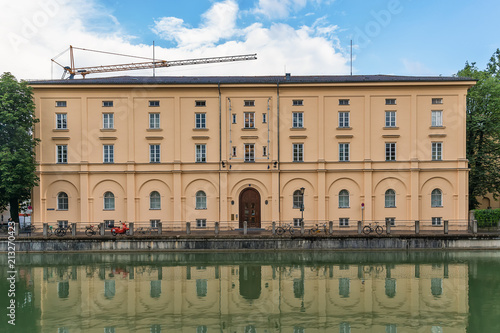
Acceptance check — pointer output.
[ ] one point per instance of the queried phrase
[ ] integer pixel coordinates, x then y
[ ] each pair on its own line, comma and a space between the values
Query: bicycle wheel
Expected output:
89, 232
60, 232
312, 232
379, 230
367, 230
291, 230
280, 231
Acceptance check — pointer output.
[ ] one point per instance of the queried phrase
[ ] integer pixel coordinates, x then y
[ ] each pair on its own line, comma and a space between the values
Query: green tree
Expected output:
483, 129
17, 144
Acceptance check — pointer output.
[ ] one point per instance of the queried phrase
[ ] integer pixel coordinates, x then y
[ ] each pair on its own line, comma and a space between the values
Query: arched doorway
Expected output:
250, 208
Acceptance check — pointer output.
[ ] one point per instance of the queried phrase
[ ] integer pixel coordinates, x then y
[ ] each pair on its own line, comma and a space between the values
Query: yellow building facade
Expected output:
255, 149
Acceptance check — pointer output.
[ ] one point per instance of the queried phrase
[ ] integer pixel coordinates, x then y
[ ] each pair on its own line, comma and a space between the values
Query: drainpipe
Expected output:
220, 144
279, 166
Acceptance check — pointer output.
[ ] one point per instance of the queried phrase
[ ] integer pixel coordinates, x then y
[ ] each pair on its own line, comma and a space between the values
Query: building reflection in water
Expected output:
250, 297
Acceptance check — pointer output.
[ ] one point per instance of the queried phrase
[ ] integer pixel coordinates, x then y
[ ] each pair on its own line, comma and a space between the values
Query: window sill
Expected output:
437, 206
60, 130
391, 128
298, 129
62, 210
154, 129
200, 209
437, 127
390, 207
154, 208
344, 128
108, 209
249, 129
108, 129
344, 207
200, 129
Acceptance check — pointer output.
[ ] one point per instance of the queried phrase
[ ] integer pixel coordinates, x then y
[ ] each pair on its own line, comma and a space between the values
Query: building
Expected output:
234, 149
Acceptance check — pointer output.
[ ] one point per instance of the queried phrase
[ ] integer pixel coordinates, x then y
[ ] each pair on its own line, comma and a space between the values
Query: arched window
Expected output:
109, 201
154, 200
62, 201
344, 199
298, 199
436, 198
390, 198
201, 200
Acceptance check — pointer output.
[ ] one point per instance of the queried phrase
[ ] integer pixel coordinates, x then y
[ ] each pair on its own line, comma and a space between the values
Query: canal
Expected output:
427, 291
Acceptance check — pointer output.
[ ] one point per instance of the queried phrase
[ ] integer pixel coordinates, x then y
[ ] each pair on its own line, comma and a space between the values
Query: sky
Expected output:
301, 37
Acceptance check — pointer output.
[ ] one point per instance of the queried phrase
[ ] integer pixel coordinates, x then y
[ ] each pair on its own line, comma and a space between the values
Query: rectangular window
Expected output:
234, 118
298, 152
154, 223
390, 101
249, 152
154, 153
154, 103
390, 118
234, 151
437, 118
200, 103
249, 103
108, 152
62, 223
344, 119
344, 102
297, 119
60, 104
154, 120
437, 151
296, 222
200, 120
201, 223
109, 223
436, 221
390, 151
61, 121
249, 119
108, 121
343, 152
107, 104
201, 153
264, 150
264, 118
437, 101
62, 154
343, 222
392, 220
298, 102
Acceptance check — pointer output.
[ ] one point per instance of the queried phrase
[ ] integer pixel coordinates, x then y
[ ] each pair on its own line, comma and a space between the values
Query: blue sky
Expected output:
404, 37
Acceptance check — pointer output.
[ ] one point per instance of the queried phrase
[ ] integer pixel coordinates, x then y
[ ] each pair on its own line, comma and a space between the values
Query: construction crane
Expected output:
83, 71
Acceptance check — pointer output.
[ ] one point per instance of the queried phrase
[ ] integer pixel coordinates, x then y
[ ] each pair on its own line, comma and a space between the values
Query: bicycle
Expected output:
317, 230
144, 230
60, 231
287, 227
91, 230
373, 227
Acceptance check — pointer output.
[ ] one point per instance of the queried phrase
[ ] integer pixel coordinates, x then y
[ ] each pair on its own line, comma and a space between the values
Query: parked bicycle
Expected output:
92, 230
373, 227
286, 228
317, 230
144, 230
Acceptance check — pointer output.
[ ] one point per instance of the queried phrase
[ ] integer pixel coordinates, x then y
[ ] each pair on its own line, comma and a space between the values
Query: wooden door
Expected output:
250, 208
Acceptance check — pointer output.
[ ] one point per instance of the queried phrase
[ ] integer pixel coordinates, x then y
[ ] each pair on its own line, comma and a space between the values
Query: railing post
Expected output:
388, 227
360, 227
45, 229
160, 228
302, 231
330, 227
216, 228
274, 228
417, 227
188, 228
131, 228
102, 228
245, 227
16, 228
474, 227
73, 229
446, 227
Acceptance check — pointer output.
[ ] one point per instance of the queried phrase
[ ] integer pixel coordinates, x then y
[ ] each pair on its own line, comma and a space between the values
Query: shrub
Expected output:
487, 217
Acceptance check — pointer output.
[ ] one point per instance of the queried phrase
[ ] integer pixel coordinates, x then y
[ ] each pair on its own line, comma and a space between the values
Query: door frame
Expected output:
258, 207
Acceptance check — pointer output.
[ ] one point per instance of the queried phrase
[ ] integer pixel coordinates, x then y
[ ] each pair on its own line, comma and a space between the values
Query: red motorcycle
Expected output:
120, 230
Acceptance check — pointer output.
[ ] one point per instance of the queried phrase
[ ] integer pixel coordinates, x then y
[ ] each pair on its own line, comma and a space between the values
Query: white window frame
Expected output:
107, 104
343, 222
62, 154
390, 151
296, 222
62, 201
298, 152
154, 202
392, 220
298, 102
153, 104
200, 104
108, 120
436, 198
249, 103
298, 119
234, 118
344, 101
154, 120
437, 151
437, 221
249, 119
200, 120
344, 119
390, 198
61, 104
201, 223
61, 121
108, 153
154, 153
264, 118
249, 152
109, 201
390, 118
344, 152
438, 100
390, 101
298, 200
437, 118
201, 153
344, 199
201, 200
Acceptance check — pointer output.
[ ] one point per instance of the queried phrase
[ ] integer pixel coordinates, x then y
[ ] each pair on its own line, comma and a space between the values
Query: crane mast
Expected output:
83, 71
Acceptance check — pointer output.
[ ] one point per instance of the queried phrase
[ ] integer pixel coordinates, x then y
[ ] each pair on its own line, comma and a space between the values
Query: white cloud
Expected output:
279, 8
34, 32
416, 68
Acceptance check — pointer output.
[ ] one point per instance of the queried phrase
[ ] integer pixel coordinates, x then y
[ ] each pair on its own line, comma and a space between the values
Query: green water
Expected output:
254, 292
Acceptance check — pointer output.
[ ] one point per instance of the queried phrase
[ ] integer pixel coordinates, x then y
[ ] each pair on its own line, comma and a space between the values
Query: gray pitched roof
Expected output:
165, 80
